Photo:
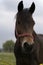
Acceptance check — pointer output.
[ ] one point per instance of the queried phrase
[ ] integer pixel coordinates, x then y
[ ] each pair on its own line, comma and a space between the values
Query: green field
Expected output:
7, 59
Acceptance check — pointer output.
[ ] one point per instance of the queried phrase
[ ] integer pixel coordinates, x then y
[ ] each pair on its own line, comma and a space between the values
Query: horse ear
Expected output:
32, 8
20, 6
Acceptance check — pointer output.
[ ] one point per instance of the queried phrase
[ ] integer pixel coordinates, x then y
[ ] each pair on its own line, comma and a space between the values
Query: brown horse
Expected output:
28, 48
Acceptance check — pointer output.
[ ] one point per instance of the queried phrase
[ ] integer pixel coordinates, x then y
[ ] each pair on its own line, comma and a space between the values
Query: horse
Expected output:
28, 48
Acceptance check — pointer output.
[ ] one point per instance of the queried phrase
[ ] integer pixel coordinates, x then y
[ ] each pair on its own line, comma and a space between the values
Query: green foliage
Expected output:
8, 46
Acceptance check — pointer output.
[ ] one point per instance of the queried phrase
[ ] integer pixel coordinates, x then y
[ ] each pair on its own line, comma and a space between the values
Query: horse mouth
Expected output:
28, 48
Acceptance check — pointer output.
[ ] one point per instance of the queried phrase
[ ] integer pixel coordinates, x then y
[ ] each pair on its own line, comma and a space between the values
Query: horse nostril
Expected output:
27, 46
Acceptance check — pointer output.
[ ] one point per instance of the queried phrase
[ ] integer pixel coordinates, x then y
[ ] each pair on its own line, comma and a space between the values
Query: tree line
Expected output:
8, 46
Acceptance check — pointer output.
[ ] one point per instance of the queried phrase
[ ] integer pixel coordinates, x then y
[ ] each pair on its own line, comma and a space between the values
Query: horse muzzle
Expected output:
27, 47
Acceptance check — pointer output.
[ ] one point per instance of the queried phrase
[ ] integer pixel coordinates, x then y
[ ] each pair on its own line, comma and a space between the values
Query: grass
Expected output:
7, 59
